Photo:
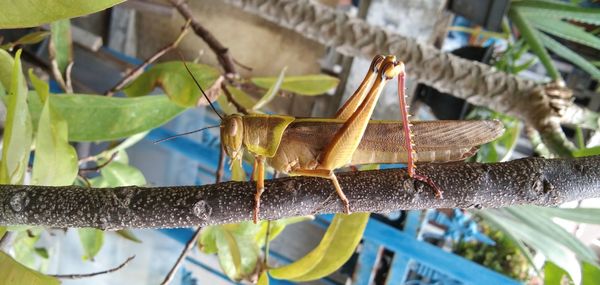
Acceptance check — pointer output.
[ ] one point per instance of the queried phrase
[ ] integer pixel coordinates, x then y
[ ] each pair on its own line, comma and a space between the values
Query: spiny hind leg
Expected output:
409, 145
325, 173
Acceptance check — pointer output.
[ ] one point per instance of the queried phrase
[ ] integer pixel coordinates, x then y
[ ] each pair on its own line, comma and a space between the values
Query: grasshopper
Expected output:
318, 146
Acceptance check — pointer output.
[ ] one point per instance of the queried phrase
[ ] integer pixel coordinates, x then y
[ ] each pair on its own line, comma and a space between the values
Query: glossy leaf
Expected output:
55, 161
14, 273
31, 38
31, 13
100, 118
558, 9
17, 129
315, 84
91, 241
569, 55
566, 30
61, 46
173, 78
271, 92
342, 236
127, 234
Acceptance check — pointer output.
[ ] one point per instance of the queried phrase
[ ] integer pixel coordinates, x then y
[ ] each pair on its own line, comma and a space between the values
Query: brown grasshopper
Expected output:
318, 146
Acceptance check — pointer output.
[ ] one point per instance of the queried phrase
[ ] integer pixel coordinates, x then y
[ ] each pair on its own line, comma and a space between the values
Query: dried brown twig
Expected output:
87, 275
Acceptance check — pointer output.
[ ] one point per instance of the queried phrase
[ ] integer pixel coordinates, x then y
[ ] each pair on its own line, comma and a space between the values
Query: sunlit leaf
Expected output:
336, 247
61, 46
207, 242
173, 78
277, 226
315, 84
31, 38
55, 161
91, 241
271, 92
31, 13
100, 118
553, 275
14, 273
263, 279
237, 171
127, 234
17, 129
237, 255
23, 245
590, 274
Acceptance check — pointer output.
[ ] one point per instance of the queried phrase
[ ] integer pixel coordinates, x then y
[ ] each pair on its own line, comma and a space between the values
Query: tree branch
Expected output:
186, 249
466, 185
87, 275
221, 51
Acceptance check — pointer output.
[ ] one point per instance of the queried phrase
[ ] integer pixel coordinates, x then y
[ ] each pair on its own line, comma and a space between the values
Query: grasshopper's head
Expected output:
232, 135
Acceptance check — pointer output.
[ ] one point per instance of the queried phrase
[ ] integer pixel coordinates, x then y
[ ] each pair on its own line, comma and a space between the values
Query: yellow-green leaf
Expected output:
237, 171
342, 236
127, 234
61, 47
100, 118
17, 129
91, 241
55, 161
263, 279
12, 272
31, 13
117, 174
173, 78
241, 98
315, 84
207, 241
6, 68
271, 92
31, 38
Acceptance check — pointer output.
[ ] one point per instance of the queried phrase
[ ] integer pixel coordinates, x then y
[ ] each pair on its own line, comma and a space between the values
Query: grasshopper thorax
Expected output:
232, 135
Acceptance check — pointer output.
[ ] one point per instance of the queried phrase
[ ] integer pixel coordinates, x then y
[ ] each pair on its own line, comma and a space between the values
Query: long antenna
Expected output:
198, 84
183, 134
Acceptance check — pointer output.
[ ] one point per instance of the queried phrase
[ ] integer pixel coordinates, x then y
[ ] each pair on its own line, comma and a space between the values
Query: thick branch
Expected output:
466, 185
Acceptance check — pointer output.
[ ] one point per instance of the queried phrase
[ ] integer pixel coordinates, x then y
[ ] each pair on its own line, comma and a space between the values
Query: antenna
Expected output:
198, 84
183, 134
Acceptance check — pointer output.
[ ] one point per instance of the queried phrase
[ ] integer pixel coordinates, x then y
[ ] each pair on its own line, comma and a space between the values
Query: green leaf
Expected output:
241, 98
565, 30
127, 234
207, 242
55, 161
277, 227
263, 279
238, 254
117, 174
237, 171
42, 252
590, 274
31, 38
225, 106
17, 129
2, 231
336, 247
587, 151
31, 13
553, 275
558, 10
314, 84
101, 118
61, 47
569, 55
24, 247
173, 78
6, 68
270, 94
535, 43
14, 273
91, 241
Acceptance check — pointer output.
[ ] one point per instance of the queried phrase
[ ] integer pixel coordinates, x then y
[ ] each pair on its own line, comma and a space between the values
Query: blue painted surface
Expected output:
367, 261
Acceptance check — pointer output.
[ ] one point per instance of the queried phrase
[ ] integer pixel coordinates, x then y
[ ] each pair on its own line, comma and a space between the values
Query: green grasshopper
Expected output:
318, 146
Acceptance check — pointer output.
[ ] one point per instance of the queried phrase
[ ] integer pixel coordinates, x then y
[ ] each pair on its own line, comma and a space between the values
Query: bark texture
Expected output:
466, 185
538, 105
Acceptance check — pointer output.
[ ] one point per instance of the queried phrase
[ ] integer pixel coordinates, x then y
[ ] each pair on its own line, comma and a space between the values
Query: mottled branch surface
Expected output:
466, 185
538, 105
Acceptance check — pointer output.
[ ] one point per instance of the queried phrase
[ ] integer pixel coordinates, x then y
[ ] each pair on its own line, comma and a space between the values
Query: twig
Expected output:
133, 74
188, 246
221, 51
87, 275
246, 67
100, 166
232, 100
533, 181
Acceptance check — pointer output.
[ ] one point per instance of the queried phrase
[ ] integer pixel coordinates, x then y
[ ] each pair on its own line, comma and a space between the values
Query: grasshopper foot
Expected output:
431, 183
